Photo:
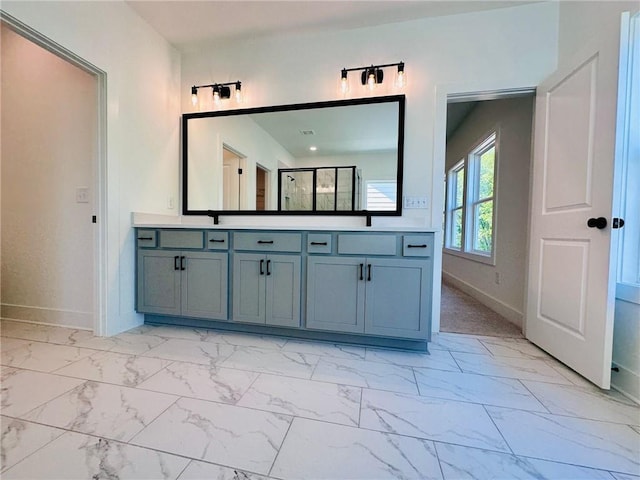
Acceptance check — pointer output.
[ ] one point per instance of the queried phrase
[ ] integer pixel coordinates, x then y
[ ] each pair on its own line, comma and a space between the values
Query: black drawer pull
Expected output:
215, 240
145, 238
265, 242
417, 246
319, 243
369, 272
175, 263
361, 266
268, 269
261, 267
182, 263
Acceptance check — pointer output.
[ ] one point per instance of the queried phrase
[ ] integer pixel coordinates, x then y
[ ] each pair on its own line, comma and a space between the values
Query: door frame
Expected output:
459, 93
99, 164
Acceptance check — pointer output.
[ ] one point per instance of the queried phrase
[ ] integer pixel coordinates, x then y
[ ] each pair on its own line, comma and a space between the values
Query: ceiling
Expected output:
187, 24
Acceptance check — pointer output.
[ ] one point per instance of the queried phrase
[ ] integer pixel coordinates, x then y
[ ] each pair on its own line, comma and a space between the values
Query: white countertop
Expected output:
150, 220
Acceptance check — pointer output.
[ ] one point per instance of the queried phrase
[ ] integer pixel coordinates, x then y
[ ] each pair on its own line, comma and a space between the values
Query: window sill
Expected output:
487, 260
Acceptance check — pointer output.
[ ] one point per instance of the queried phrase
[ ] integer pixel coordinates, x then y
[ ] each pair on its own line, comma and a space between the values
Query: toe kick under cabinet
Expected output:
367, 287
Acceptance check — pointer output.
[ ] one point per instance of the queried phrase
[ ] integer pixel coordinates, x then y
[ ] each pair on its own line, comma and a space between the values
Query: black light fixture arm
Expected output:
354, 69
237, 84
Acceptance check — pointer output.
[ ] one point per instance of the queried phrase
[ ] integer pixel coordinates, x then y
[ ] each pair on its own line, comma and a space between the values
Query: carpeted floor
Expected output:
461, 313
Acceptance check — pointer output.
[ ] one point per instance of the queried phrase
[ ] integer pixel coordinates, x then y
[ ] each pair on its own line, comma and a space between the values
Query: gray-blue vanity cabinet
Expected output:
376, 296
266, 289
183, 283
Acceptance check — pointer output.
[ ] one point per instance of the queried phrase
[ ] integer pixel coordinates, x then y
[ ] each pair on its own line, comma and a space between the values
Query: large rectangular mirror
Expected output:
331, 158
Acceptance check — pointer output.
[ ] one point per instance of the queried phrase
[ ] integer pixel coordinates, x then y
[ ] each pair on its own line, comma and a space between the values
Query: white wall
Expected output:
142, 121
512, 118
48, 128
579, 22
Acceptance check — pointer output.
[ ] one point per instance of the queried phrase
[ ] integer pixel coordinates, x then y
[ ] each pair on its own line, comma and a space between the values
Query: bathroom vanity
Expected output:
367, 286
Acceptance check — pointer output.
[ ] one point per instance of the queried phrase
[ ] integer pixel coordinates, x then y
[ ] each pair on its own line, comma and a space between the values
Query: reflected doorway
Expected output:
232, 163
261, 188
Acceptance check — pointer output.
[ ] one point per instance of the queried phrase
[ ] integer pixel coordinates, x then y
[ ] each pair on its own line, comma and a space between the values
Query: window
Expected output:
381, 195
470, 202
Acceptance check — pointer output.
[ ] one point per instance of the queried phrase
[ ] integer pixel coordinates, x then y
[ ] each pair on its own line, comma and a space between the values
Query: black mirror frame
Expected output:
400, 99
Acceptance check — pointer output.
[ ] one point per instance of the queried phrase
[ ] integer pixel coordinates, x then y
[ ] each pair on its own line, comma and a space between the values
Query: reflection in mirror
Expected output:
322, 157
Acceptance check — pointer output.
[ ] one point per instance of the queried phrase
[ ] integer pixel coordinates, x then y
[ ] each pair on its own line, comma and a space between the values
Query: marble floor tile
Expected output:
134, 344
118, 368
44, 357
290, 364
24, 390
325, 349
201, 381
204, 353
101, 409
44, 333
437, 359
10, 343
20, 439
224, 434
174, 331
361, 373
469, 387
588, 443
320, 450
586, 402
455, 342
510, 367
75, 456
248, 340
514, 347
208, 471
464, 463
304, 398
429, 418
573, 378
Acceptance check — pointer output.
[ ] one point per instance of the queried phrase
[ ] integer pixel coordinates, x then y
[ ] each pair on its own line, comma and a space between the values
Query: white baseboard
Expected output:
626, 382
507, 311
47, 316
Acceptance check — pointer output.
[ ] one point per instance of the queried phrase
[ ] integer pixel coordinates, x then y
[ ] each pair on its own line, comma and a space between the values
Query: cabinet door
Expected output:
397, 298
204, 285
249, 274
158, 282
283, 290
335, 294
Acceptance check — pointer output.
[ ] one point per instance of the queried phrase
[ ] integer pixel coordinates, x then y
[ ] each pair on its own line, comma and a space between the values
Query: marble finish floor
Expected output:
162, 402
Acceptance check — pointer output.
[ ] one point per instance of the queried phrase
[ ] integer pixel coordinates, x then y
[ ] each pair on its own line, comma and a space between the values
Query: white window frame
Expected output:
471, 201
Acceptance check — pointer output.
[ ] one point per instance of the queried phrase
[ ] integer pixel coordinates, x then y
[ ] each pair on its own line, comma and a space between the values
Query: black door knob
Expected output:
598, 223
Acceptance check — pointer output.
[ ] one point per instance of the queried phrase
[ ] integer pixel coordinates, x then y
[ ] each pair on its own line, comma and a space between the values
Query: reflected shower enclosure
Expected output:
320, 189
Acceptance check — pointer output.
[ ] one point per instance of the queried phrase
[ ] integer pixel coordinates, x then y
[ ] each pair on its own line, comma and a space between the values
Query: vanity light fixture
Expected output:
220, 91
373, 75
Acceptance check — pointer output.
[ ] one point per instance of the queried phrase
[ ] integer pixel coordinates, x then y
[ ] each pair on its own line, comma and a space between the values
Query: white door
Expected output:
571, 282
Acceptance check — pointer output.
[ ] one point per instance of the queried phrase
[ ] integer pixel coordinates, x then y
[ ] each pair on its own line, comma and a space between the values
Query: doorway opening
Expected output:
232, 178
262, 179
487, 163
61, 281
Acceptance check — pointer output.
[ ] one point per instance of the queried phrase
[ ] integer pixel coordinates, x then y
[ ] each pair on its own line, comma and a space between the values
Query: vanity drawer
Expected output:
268, 241
319, 243
181, 239
417, 246
218, 240
146, 238
359, 244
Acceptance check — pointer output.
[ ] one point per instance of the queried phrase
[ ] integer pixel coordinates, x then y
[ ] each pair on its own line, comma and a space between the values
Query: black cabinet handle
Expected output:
214, 240
368, 272
145, 238
361, 267
182, 263
261, 267
175, 263
268, 269
265, 242
417, 246
319, 243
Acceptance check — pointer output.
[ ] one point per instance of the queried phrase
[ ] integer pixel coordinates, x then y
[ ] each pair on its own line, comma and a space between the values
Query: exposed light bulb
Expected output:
371, 80
401, 78
344, 82
313, 148
194, 96
216, 95
238, 92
